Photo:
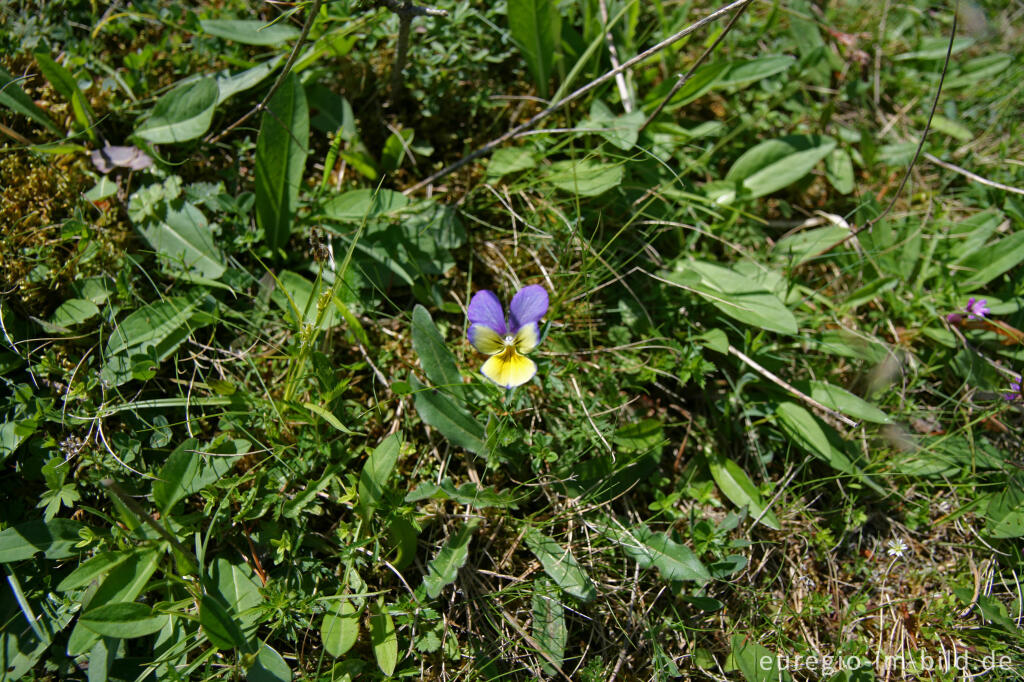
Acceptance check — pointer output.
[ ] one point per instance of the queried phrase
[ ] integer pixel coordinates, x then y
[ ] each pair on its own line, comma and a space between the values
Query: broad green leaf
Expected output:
451, 420
773, 164
560, 565
935, 47
384, 639
56, 539
985, 264
269, 666
620, 131
123, 583
13, 434
954, 129
839, 171
404, 537
587, 178
151, 326
642, 436
510, 160
280, 161
843, 401
184, 237
751, 70
468, 493
1004, 516
298, 298
363, 204
65, 83
749, 656
649, 549
549, 623
436, 359
15, 99
741, 491
219, 624
340, 628
535, 27
738, 296
250, 31
376, 472
74, 311
444, 568
123, 620
239, 588
972, 233
176, 475
184, 113
92, 569
807, 245
229, 85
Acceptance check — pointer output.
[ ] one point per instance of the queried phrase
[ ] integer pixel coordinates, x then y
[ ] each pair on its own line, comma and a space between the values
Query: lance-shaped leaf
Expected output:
444, 568
280, 161
560, 565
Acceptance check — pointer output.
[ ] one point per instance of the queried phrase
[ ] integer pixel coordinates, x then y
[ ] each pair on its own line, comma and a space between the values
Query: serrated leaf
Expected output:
340, 628
376, 472
437, 360
184, 113
535, 27
123, 620
444, 568
741, 491
560, 565
280, 161
384, 639
183, 236
451, 420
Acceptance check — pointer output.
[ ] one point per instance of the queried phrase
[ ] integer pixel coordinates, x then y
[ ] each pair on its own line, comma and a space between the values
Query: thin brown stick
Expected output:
493, 144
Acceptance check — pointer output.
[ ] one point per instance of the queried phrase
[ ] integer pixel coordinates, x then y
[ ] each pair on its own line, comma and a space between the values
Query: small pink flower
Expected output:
977, 309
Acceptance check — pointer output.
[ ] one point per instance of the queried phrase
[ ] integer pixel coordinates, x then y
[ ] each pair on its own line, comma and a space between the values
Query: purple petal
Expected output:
485, 309
110, 157
528, 305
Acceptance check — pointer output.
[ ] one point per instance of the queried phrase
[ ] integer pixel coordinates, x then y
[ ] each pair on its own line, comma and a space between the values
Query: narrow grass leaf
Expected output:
384, 639
451, 420
219, 625
741, 491
560, 565
250, 31
269, 666
376, 471
56, 539
437, 360
340, 628
184, 113
280, 161
184, 238
535, 27
549, 628
15, 99
124, 620
444, 568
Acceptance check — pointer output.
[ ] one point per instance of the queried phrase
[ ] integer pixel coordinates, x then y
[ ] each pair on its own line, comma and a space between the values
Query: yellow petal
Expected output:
527, 338
509, 369
485, 339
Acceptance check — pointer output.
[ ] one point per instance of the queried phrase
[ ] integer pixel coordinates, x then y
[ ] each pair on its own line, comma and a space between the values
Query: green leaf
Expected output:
1005, 513
186, 472
298, 298
376, 472
549, 623
748, 656
340, 628
444, 568
745, 72
238, 587
437, 361
451, 420
269, 666
184, 237
642, 436
984, 265
741, 491
92, 569
364, 204
535, 27
839, 171
229, 85
384, 639
56, 539
771, 165
510, 160
586, 178
649, 549
15, 99
280, 161
738, 296
64, 83
184, 113
13, 434
620, 131
123, 620
843, 401
74, 311
250, 31
219, 625
469, 493
150, 325
560, 565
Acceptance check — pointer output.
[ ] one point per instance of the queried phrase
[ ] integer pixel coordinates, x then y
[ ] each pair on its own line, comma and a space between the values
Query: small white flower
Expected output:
896, 547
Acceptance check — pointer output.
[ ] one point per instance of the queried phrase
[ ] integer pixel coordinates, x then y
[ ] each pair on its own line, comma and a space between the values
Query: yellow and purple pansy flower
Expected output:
507, 340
